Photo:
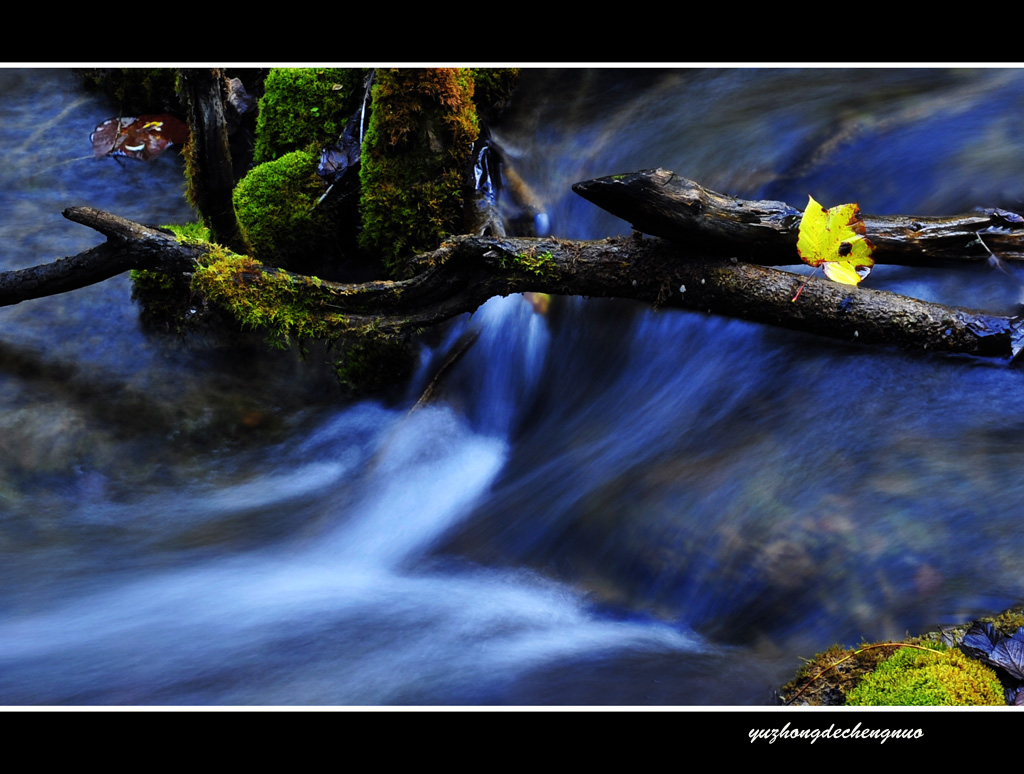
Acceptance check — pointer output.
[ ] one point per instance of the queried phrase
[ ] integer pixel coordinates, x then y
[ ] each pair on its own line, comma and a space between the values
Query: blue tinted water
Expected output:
607, 504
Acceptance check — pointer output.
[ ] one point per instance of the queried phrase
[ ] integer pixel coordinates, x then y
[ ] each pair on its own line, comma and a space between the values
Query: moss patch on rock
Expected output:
913, 677
277, 214
918, 671
1008, 621
304, 107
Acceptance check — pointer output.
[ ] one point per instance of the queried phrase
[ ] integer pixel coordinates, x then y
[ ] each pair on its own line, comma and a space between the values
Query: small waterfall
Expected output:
428, 472
355, 611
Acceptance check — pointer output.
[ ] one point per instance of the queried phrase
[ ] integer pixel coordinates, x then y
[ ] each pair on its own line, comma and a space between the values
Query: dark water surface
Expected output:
610, 505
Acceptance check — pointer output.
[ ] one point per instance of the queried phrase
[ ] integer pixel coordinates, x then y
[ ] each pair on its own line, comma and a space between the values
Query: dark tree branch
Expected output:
659, 202
129, 245
466, 271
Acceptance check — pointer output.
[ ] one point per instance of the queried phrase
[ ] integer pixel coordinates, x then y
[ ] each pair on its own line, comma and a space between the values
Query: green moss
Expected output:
190, 233
913, 677
283, 308
301, 107
264, 300
1009, 621
276, 212
540, 265
415, 161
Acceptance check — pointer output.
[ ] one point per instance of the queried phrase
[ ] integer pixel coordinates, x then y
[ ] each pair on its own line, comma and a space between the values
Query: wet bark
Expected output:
466, 271
660, 203
129, 245
209, 155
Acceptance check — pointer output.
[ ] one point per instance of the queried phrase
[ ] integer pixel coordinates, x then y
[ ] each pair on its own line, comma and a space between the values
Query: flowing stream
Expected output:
606, 504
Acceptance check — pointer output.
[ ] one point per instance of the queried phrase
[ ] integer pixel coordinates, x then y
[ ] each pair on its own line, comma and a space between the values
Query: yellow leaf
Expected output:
834, 239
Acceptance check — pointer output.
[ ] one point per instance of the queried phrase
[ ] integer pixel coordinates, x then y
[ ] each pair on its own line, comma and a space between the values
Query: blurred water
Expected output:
607, 504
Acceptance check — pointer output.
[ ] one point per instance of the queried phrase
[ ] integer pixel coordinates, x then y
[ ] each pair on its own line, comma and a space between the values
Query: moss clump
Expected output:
265, 300
416, 156
1009, 621
275, 207
190, 233
539, 264
913, 677
301, 107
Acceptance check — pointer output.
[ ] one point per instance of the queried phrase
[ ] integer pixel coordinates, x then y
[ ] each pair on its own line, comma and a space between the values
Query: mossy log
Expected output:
466, 271
661, 203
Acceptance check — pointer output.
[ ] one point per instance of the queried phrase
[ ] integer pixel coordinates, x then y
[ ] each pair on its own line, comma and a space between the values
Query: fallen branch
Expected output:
466, 271
660, 203
129, 245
